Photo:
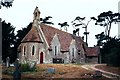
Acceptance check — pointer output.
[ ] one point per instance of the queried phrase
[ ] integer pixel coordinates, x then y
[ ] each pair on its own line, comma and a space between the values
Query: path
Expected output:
104, 73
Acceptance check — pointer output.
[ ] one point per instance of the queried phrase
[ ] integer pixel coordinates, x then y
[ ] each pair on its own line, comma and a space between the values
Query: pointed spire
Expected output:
36, 14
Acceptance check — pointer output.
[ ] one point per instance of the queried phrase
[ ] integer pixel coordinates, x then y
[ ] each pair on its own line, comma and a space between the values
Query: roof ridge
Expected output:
56, 28
63, 31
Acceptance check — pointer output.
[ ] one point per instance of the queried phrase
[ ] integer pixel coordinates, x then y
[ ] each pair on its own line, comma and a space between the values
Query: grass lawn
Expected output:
61, 71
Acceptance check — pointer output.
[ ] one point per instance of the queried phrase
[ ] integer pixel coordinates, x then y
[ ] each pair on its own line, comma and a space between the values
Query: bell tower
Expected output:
36, 16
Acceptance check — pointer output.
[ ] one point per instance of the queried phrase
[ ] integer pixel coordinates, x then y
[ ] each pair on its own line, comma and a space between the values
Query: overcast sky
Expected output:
21, 13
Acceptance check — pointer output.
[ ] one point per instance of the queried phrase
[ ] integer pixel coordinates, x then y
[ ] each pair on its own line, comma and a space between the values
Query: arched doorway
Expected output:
41, 57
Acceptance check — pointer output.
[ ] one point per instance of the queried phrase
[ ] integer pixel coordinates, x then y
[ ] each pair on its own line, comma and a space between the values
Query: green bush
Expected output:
113, 57
110, 53
26, 68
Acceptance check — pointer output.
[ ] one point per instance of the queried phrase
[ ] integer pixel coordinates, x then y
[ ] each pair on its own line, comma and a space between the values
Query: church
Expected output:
46, 44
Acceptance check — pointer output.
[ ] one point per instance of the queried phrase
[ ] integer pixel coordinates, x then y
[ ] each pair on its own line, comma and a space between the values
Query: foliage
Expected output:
101, 38
8, 40
11, 41
106, 19
27, 68
111, 52
46, 20
21, 34
6, 3
79, 21
113, 57
64, 24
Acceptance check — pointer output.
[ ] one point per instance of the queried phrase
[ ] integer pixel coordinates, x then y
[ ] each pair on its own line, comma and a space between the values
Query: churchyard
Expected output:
51, 71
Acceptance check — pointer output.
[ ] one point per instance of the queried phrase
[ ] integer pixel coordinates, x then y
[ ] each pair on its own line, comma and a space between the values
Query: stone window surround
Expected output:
55, 53
32, 50
24, 50
73, 52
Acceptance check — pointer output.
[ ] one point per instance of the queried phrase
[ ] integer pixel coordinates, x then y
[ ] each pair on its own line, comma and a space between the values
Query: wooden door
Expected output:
41, 57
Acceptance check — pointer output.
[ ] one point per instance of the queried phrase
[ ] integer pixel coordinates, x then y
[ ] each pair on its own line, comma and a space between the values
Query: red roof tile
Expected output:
79, 41
64, 37
32, 36
49, 32
92, 51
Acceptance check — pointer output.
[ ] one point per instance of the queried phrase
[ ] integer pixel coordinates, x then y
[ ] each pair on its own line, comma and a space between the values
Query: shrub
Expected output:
26, 67
113, 57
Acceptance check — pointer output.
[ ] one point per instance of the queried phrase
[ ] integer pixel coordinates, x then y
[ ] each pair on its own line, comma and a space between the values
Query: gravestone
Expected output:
8, 62
17, 72
51, 70
32, 64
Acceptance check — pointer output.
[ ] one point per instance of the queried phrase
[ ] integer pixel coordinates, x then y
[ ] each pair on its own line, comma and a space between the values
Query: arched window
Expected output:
24, 50
33, 50
55, 50
73, 52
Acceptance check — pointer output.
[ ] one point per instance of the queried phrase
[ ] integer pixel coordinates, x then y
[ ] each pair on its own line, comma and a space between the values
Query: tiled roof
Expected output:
32, 36
64, 37
49, 32
79, 41
92, 51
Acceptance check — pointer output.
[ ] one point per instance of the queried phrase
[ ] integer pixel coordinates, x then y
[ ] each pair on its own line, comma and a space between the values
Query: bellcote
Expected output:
36, 14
